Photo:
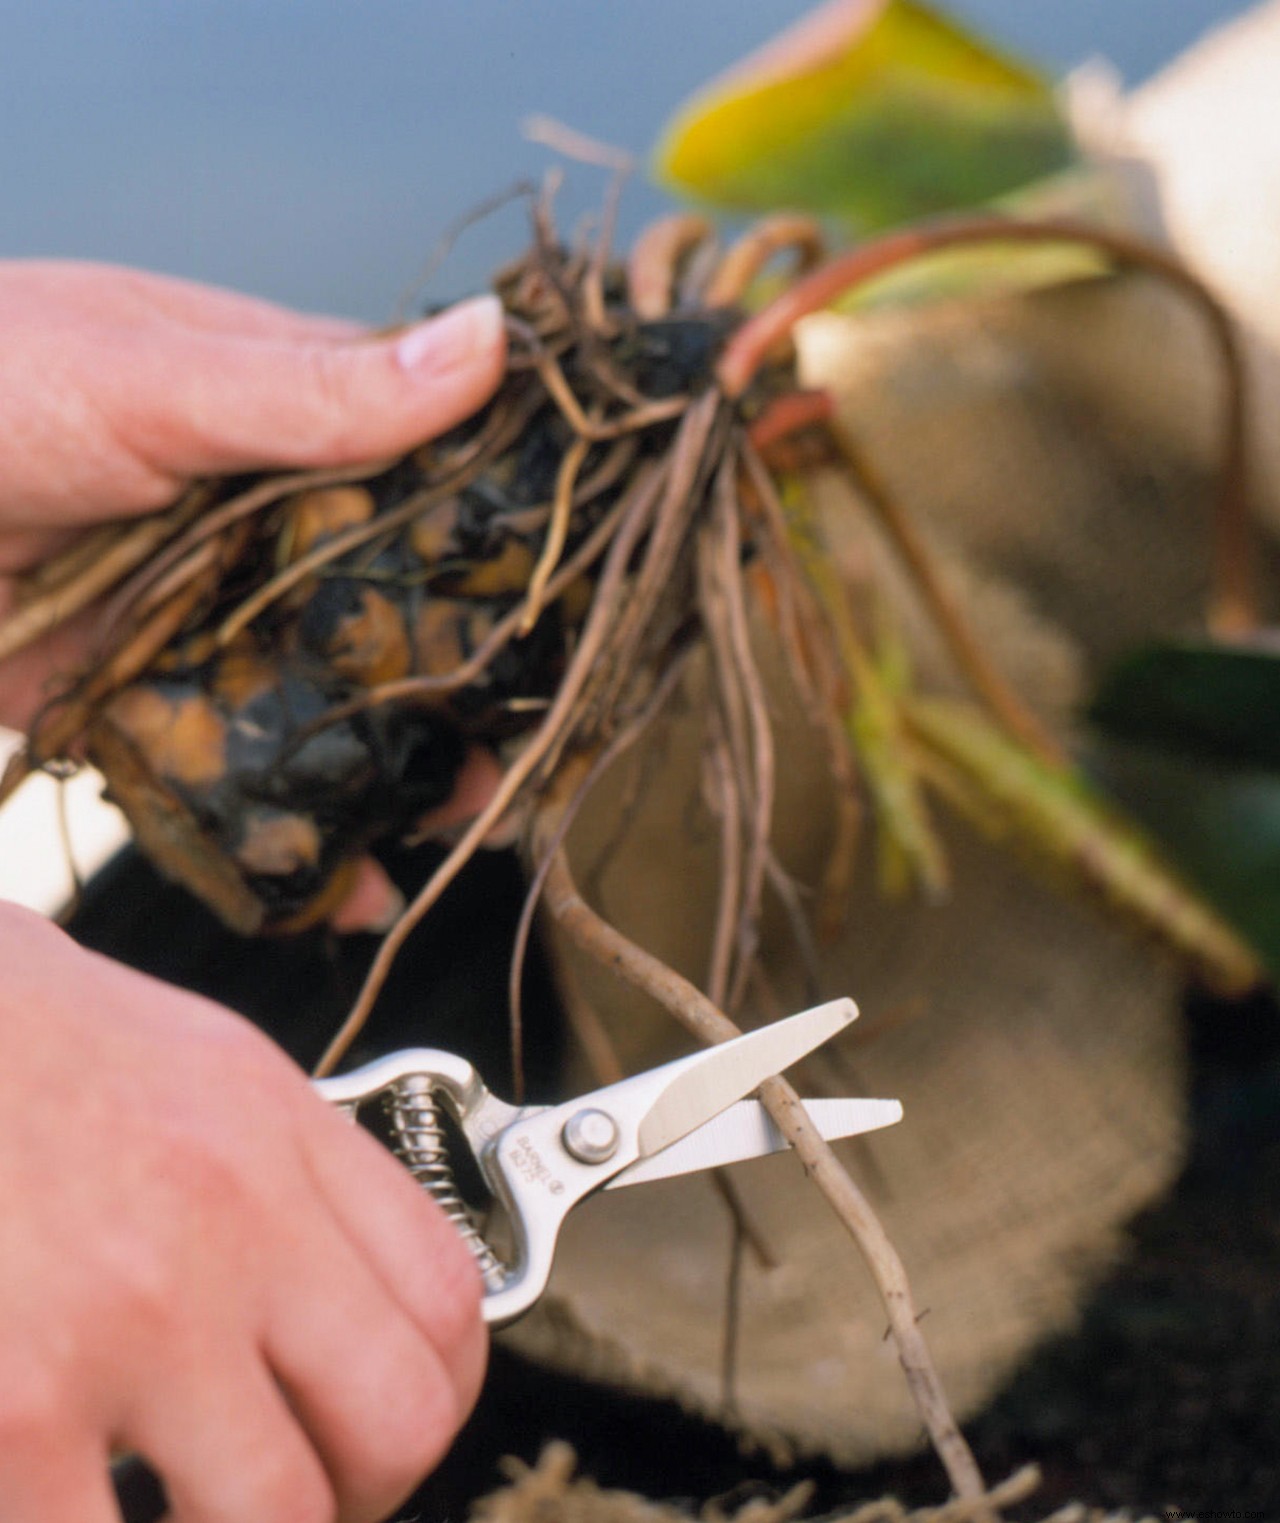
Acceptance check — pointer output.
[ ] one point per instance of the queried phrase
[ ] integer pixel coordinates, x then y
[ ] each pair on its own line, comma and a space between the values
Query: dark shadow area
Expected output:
448, 989
1167, 1396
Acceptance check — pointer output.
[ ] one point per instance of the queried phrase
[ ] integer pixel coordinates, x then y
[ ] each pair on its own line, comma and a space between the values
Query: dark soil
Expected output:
1166, 1398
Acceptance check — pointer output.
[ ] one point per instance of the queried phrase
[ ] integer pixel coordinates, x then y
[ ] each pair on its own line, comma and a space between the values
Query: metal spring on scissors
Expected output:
420, 1143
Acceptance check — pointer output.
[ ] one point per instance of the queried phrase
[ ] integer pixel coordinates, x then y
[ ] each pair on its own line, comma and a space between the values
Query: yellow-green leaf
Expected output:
911, 853
876, 110
1060, 821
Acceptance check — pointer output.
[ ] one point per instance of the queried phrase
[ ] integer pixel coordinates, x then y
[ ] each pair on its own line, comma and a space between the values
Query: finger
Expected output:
116, 294
374, 1395
372, 904
73, 1482
22, 548
215, 309
478, 780
234, 404
227, 1449
25, 688
409, 1243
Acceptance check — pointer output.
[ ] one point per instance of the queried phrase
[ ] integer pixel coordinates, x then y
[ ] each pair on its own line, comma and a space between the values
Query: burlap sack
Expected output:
1035, 1046
1060, 450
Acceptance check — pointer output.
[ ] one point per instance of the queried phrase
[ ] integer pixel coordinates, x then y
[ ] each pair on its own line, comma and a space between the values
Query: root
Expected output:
557, 533
697, 1014
725, 804
620, 745
500, 636
210, 525
656, 257
559, 717
966, 649
63, 719
63, 597
337, 545
815, 670
747, 770
801, 236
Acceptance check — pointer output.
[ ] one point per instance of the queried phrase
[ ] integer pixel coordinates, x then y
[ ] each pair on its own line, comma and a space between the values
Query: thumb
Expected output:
236, 402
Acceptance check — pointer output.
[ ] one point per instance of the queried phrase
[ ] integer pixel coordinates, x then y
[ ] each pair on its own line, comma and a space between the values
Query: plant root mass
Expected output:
292, 667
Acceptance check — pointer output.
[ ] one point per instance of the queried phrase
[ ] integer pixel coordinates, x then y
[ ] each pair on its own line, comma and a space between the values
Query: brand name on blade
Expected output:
527, 1161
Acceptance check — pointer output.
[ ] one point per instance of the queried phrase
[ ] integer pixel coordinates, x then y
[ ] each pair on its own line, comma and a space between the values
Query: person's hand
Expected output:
117, 388
203, 1263
201, 1260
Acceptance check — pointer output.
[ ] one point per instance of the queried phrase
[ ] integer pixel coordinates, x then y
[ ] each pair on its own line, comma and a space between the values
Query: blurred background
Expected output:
313, 153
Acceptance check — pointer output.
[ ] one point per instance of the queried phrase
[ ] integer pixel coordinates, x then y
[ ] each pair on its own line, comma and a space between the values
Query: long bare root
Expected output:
699, 1015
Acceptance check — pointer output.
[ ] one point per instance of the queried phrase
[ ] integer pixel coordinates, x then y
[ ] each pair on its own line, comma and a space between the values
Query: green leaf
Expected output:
876, 110
1221, 824
1192, 748
1216, 701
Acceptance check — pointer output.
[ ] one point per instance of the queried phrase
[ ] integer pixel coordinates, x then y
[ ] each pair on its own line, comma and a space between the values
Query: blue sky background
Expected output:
312, 150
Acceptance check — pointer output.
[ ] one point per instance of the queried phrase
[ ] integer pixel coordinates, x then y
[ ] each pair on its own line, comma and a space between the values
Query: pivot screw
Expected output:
591, 1136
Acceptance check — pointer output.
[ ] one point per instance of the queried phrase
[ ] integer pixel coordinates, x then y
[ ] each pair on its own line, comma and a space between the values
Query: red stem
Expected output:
790, 414
1233, 605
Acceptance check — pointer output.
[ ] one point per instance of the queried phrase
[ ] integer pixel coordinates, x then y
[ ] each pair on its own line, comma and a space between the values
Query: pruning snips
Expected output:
539, 1162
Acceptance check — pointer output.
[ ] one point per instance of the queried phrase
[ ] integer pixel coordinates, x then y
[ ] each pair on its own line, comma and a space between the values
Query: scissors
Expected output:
539, 1162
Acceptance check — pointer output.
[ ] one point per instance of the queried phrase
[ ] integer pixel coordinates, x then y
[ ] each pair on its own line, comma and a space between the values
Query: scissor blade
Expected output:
704, 1086
746, 1131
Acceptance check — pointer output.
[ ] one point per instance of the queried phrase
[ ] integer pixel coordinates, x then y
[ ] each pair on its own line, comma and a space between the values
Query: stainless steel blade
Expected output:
703, 1087
746, 1131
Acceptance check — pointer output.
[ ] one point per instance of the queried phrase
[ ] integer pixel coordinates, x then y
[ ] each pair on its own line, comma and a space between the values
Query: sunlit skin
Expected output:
201, 1262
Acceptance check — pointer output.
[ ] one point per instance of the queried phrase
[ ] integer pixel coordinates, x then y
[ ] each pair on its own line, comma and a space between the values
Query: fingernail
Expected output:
453, 339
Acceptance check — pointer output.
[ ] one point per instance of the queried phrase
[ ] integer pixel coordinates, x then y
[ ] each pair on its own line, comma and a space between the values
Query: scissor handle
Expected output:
452, 1075
410, 1084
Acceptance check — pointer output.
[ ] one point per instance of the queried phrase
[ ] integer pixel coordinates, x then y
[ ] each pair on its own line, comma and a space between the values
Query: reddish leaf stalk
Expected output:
1233, 604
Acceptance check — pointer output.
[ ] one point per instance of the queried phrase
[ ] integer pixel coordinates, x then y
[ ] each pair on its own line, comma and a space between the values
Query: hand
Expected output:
202, 1262
117, 388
